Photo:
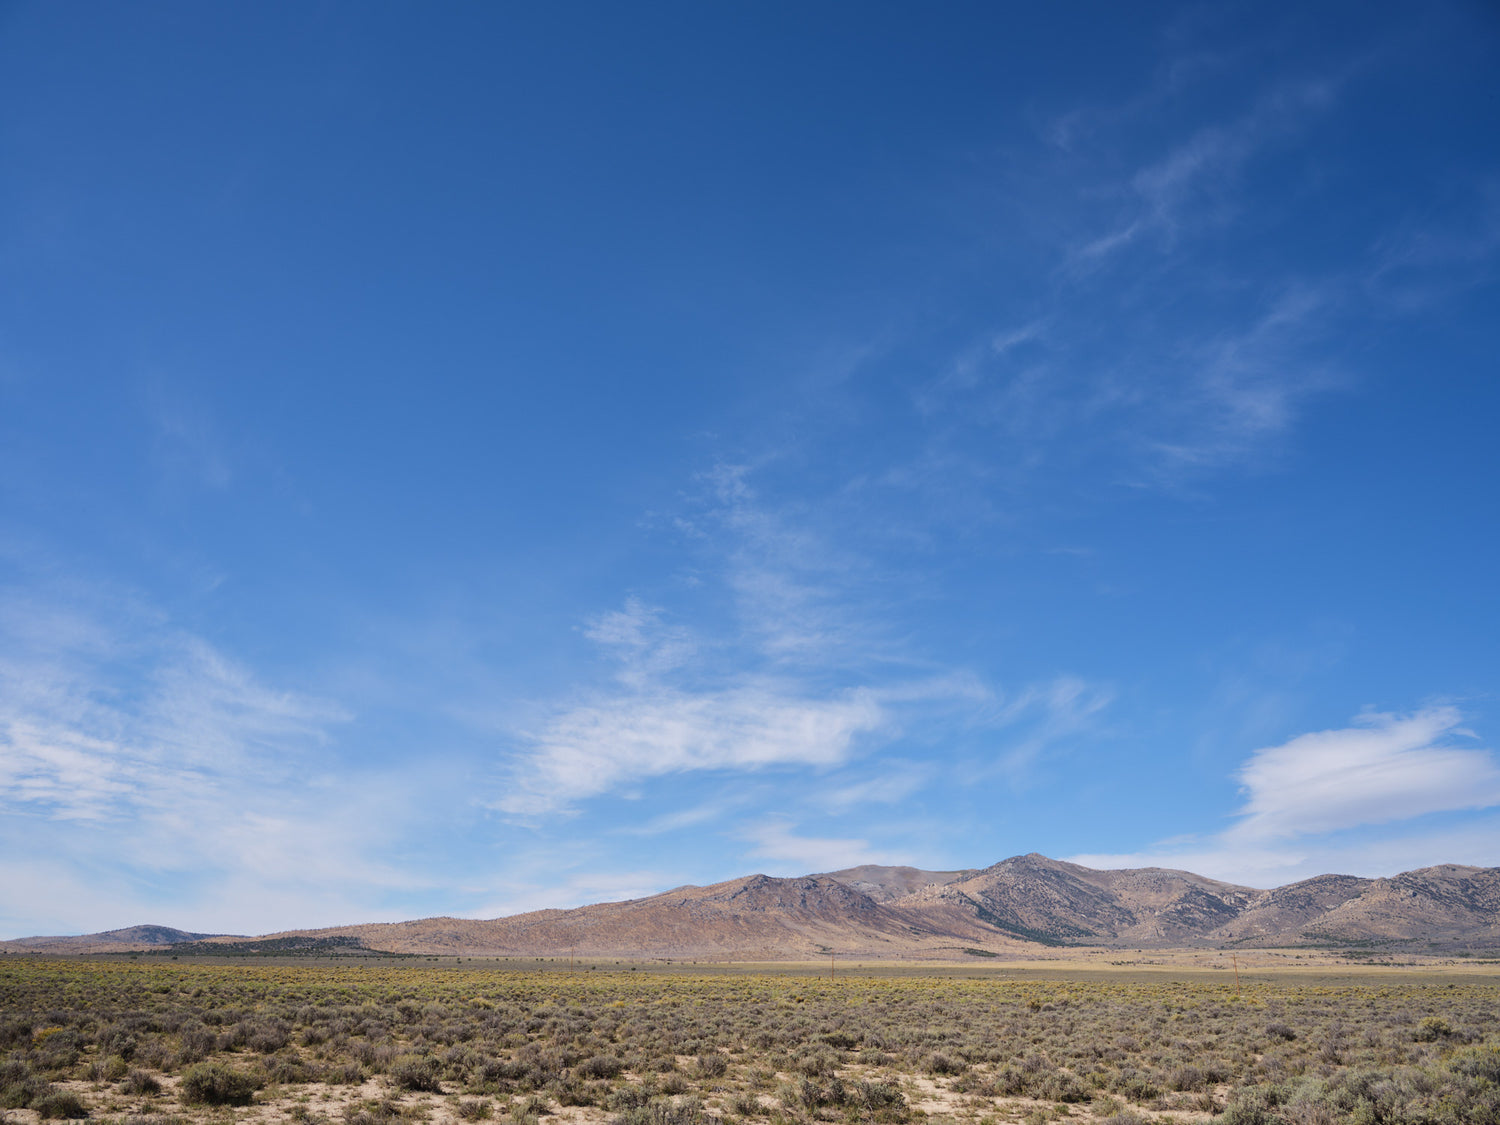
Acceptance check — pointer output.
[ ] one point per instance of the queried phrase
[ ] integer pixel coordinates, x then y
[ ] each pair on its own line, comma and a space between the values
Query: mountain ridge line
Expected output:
1017, 906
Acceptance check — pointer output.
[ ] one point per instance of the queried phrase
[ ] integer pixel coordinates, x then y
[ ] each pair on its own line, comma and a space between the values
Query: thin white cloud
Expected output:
171, 782
1309, 801
1191, 185
1385, 768
1242, 388
639, 640
1047, 714
799, 679
595, 747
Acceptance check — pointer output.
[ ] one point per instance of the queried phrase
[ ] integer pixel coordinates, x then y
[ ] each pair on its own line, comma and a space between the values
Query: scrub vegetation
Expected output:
143, 1043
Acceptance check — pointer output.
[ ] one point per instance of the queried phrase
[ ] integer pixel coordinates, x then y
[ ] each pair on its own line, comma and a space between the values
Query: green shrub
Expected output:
216, 1084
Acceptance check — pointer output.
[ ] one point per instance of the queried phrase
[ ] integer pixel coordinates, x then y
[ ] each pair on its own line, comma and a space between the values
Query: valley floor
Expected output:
1296, 1038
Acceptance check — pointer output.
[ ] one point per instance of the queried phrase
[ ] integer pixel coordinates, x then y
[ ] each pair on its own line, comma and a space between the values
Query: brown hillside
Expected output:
1016, 907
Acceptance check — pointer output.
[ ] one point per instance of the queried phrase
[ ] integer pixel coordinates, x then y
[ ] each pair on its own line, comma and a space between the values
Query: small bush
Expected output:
416, 1072
815, 1063
712, 1066
939, 1063
478, 1109
601, 1066
59, 1103
1432, 1029
628, 1097
1188, 1078
114, 1067
216, 1084
532, 1107
747, 1105
140, 1083
879, 1095
688, 1112
15, 1032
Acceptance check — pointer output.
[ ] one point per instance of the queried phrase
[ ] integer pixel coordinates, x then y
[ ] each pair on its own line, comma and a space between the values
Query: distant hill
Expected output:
1016, 907
110, 941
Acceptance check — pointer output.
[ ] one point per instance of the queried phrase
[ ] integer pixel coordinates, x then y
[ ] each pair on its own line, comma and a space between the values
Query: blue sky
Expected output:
466, 458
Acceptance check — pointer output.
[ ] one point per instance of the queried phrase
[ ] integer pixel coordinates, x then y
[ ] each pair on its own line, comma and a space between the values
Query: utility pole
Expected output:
1236, 961
830, 964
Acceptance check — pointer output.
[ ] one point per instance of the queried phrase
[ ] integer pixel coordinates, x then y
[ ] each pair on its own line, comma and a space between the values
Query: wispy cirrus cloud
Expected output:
803, 677
757, 723
1192, 185
135, 756
1140, 357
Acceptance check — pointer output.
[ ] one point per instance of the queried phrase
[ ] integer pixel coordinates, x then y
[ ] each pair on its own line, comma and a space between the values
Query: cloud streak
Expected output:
135, 756
597, 746
1383, 769
1190, 186
1306, 800
799, 680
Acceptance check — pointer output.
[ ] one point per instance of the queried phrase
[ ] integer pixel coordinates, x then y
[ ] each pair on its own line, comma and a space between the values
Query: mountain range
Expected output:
1016, 907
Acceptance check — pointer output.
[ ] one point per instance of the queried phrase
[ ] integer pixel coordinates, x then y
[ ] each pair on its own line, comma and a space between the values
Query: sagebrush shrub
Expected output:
216, 1084
417, 1072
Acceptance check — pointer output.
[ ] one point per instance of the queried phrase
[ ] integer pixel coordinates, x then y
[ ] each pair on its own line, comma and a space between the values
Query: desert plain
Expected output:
1244, 1038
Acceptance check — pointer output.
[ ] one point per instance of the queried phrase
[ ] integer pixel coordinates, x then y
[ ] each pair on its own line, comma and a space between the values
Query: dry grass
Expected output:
166, 1043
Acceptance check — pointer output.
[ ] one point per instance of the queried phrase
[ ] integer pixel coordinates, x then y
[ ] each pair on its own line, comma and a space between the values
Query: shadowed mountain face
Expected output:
1015, 907
1046, 900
